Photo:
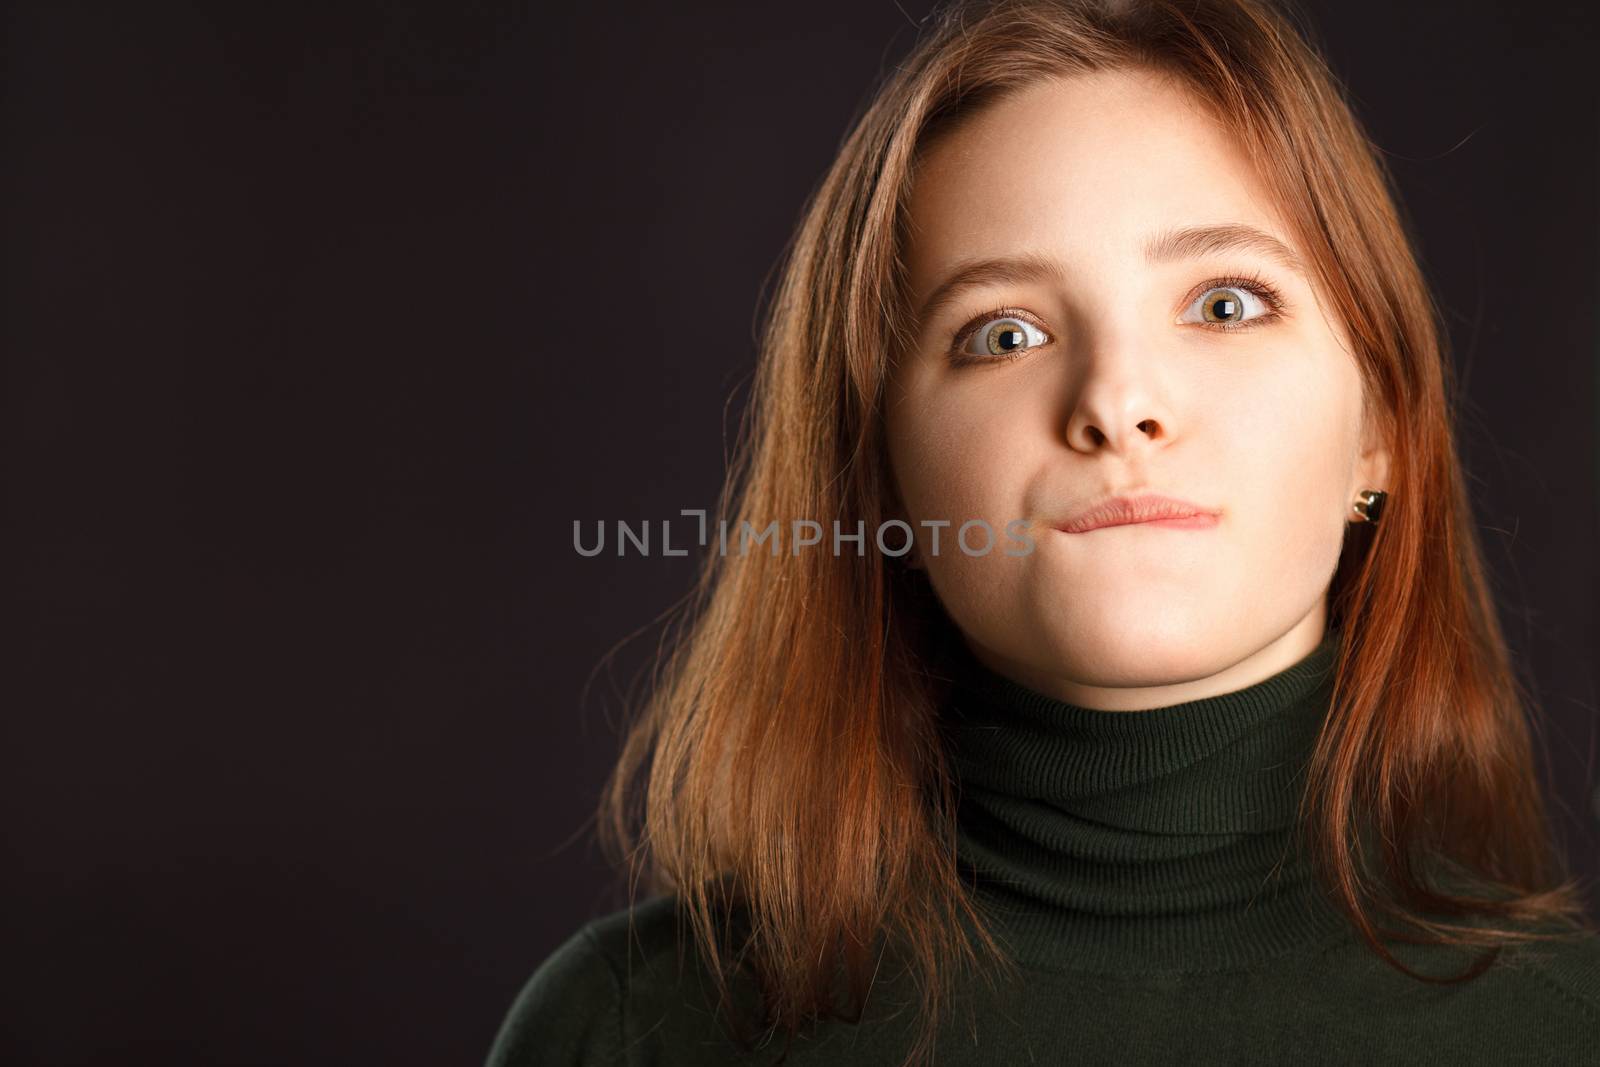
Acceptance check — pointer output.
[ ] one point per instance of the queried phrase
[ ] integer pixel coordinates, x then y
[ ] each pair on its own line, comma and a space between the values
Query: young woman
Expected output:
1159, 711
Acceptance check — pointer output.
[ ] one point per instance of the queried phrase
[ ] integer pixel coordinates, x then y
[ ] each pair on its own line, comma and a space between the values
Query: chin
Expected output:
1106, 648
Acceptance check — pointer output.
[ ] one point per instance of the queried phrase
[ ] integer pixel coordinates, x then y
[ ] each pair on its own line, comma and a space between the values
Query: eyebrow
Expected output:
1165, 246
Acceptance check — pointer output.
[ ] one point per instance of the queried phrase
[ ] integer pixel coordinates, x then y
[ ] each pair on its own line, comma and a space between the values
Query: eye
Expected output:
1000, 334
1235, 304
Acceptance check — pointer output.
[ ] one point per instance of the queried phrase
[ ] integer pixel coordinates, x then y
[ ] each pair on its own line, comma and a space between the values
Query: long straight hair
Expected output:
787, 765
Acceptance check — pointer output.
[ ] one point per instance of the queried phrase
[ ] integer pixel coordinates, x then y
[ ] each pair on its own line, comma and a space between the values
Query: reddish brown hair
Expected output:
787, 764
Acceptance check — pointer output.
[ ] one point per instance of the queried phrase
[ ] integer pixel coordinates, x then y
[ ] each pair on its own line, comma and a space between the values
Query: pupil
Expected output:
1009, 338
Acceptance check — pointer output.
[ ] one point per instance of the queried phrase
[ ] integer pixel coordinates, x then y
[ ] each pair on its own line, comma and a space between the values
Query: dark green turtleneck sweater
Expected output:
1142, 868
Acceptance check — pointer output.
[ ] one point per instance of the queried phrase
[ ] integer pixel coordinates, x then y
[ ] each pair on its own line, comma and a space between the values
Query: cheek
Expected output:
962, 457
954, 460
1290, 468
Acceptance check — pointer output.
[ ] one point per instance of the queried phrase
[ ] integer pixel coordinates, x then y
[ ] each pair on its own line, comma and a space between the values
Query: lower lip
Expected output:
1190, 522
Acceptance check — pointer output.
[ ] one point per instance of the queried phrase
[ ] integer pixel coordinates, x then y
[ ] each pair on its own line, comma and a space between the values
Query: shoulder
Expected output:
1561, 972
1541, 995
1570, 968
1546, 995
619, 984
1555, 981
567, 1012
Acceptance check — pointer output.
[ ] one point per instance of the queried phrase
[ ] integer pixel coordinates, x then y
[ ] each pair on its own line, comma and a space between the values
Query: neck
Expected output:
1126, 841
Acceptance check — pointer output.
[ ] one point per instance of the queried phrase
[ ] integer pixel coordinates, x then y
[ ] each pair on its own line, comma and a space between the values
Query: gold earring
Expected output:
1369, 505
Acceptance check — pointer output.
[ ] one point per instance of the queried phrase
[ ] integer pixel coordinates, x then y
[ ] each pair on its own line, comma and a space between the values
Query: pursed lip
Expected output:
1146, 507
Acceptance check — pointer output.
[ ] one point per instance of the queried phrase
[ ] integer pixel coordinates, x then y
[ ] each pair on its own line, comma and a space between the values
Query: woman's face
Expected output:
1108, 374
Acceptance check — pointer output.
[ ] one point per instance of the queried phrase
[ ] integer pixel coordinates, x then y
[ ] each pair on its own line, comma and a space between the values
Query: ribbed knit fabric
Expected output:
1142, 868
1126, 842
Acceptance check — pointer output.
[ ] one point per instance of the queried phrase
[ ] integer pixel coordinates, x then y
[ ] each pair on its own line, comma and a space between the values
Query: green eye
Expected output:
1001, 335
1235, 305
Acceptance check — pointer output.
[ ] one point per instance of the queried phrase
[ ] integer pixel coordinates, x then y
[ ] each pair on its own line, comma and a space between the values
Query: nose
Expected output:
1094, 439
1117, 406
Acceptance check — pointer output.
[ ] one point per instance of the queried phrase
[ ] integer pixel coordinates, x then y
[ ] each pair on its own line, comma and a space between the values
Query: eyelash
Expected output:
1251, 283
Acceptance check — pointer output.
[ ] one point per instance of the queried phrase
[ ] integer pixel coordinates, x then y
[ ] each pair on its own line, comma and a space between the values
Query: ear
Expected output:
1372, 465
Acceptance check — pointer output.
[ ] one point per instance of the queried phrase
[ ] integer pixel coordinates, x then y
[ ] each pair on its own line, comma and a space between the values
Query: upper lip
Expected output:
1120, 510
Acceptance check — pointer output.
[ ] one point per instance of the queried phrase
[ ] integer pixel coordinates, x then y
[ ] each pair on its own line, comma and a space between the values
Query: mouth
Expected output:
1150, 509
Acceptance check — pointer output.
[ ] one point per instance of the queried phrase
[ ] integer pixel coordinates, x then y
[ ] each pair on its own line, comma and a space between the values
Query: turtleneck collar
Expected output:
1137, 841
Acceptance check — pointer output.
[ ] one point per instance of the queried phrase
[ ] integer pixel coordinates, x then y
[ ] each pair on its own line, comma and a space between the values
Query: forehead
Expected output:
1083, 168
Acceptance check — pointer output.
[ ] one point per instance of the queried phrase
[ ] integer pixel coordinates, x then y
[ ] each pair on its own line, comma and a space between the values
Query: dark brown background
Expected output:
321, 327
